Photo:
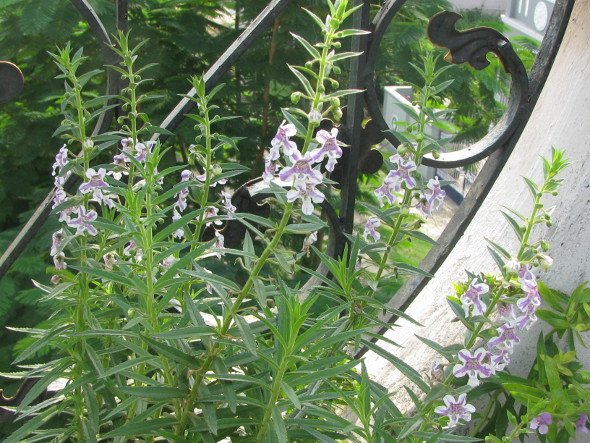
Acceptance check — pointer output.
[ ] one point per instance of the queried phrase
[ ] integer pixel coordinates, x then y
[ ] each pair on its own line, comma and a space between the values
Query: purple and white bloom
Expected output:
168, 262
315, 116
328, 147
513, 265
142, 150
219, 244
110, 258
432, 199
61, 159
499, 359
64, 215
210, 212
404, 170
371, 228
270, 169
59, 261
301, 168
541, 423
129, 247
55, 279
526, 275
528, 318
283, 139
95, 180
531, 297
581, 423
309, 240
473, 366
506, 338
127, 144
230, 209
473, 297
179, 233
83, 222
185, 175
456, 410
106, 199
308, 193
56, 241
182, 195
391, 184
506, 310
436, 371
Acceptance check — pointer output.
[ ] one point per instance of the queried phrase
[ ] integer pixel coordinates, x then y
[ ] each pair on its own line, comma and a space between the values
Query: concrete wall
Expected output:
486, 5
562, 119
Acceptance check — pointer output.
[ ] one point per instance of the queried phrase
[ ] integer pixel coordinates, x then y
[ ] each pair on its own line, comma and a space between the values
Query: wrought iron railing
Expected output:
470, 46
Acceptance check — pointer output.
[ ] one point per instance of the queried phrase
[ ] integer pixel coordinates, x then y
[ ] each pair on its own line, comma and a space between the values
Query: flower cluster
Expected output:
431, 199
304, 176
394, 180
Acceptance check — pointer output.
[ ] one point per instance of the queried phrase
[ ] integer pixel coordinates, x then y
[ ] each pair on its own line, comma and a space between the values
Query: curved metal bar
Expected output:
471, 47
223, 63
490, 171
11, 81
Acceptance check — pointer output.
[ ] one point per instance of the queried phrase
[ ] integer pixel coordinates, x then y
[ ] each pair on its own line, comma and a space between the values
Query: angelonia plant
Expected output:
184, 314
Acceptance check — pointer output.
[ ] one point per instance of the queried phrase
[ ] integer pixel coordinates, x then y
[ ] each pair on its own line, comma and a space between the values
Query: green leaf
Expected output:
278, 425
172, 353
302, 79
412, 269
308, 47
404, 368
247, 334
291, 394
518, 230
142, 427
188, 332
153, 392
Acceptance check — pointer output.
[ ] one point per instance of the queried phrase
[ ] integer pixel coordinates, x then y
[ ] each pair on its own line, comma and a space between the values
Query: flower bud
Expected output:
545, 261
315, 116
402, 149
337, 114
544, 246
336, 70
435, 154
337, 45
335, 102
295, 97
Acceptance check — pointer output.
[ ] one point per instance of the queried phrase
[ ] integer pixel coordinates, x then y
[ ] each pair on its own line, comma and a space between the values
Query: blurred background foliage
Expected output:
185, 38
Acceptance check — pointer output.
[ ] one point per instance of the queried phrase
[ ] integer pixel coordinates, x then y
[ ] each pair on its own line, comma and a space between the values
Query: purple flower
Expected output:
230, 209
270, 169
127, 144
525, 274
506, 337
309, 240
308, 193
96, 180
282, 139
110, 258
404, 170
391, 184
55, 279
505, 310
168, 262
541, 423
211, 212
529, 317
500, 359
456, 410
371, 228
219, 244
328, 146
513, 265
179, 233
61, 159
182, 195
56, 241
130, 247
59, 261
142, 150
301, 168
581, 424
82, 222
473, 366
472, 297
432, 199
532, 298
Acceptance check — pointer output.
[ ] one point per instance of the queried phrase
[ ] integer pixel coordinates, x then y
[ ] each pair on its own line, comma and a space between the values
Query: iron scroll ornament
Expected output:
470, 46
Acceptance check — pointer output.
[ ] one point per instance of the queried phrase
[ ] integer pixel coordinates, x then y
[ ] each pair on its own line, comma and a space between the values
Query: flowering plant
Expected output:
181, 309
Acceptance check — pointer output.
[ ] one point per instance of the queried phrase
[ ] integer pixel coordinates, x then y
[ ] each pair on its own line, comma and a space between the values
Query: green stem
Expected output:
274, 396
530, 224
215, 348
